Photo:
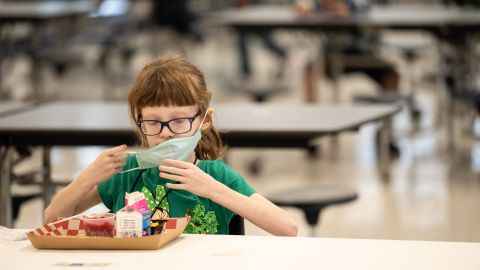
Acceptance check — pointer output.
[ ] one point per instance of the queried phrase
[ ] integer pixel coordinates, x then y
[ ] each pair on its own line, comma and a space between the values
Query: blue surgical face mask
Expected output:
176, 148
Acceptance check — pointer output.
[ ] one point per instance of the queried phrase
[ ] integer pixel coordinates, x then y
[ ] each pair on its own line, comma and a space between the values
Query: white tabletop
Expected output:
306, 118
256, 252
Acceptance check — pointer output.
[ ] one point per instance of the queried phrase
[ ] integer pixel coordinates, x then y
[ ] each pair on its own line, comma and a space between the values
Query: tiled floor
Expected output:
434, 194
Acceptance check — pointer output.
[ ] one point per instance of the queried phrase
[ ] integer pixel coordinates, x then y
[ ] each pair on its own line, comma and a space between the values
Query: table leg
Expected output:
310, 82
36, 70
5, 193
311, 70
450, 125
312, 231
335, 57
48, 187
384, 162
3, 44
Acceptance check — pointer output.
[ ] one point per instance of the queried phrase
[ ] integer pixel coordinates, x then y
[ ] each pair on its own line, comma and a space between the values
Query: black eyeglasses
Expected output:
176, 126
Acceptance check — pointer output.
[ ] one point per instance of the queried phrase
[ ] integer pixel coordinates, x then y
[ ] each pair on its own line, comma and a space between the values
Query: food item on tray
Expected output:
137, 201
100, 225
129, 222
157, 226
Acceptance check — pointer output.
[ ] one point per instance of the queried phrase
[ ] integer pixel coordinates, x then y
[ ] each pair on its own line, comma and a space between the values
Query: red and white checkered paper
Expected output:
171, 224
72, 226
75, 226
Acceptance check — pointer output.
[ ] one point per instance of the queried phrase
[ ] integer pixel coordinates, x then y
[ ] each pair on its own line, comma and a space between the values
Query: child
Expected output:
169, 105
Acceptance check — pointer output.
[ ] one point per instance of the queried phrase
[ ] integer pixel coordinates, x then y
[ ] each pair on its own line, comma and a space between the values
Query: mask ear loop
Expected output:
204, 117
201, 124
129, 170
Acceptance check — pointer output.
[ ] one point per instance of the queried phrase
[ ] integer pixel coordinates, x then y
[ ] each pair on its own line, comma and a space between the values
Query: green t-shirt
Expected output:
112, 192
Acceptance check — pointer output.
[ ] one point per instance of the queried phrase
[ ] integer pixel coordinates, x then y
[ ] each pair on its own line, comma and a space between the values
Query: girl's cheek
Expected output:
150, 142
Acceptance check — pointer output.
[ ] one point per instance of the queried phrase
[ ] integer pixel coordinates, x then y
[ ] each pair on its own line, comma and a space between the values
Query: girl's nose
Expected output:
165, 132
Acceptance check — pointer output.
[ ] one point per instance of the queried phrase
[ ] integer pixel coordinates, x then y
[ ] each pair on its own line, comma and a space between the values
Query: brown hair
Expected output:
172, 80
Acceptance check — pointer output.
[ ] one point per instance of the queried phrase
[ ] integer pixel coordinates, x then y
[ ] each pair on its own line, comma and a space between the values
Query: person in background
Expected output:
359, 52
267, 40
177, 16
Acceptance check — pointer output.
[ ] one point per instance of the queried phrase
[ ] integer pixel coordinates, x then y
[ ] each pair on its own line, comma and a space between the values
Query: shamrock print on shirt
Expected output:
153, 202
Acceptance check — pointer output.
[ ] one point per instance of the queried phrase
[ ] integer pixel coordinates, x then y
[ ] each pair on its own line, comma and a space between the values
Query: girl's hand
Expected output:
190, 178
107, 164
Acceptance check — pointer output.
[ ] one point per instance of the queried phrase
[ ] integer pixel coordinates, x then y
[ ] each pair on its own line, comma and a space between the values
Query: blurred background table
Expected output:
244, 125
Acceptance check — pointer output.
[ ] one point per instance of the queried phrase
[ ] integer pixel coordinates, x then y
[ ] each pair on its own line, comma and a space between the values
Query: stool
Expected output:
313, 199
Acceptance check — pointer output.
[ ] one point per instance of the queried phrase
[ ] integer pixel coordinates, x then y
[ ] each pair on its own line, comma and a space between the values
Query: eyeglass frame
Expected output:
167, 124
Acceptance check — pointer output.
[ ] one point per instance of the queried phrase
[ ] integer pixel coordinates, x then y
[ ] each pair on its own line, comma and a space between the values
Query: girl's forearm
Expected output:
259, 211
65, 203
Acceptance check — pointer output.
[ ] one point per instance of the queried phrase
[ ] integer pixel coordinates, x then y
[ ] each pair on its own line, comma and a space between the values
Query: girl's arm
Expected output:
71, 200
258, 210
82, 193
255, 208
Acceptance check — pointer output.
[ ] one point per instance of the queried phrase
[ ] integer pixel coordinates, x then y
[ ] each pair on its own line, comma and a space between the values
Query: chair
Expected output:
236, 226
313, 199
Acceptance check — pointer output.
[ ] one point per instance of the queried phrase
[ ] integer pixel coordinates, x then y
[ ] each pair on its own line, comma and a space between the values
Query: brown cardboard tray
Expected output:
89, 242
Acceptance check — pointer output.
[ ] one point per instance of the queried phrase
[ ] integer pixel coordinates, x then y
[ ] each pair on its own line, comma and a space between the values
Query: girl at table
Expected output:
179, 172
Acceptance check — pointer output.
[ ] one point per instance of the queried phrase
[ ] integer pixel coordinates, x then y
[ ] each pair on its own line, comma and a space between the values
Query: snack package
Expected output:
100, 225
137, 201
157, 226
129, 222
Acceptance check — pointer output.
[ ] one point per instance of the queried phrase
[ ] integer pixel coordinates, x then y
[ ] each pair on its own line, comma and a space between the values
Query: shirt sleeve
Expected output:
235, 181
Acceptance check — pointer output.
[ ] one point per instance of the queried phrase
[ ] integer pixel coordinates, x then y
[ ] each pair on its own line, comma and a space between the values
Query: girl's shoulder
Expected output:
226, 175
215, 164
217, 168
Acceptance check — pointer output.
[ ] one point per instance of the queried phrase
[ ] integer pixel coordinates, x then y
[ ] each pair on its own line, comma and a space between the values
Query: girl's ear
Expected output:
207, 123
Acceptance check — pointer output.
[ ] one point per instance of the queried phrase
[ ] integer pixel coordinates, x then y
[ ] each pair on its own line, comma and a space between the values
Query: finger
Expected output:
120, 163
114, 163
172, 177
178, 163
121, 156
176, 186
173, 170
113, 160
116, 149
117, 170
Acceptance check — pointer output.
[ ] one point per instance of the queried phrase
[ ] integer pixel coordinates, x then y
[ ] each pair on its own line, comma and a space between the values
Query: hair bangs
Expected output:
168, 89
